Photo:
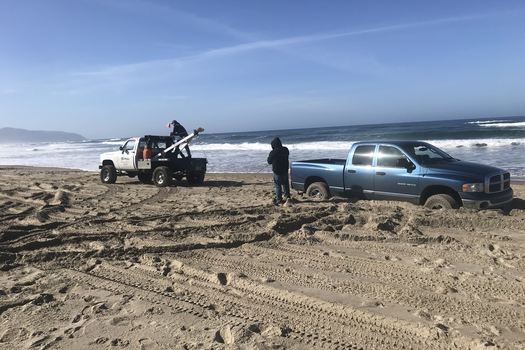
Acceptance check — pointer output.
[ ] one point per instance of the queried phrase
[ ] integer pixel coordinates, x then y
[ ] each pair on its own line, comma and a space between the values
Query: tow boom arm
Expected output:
182, 141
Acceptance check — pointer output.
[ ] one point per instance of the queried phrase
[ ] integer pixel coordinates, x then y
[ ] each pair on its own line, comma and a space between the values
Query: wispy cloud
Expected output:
281, 44
170, 14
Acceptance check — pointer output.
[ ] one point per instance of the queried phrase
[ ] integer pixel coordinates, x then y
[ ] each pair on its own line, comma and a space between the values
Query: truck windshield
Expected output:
425, 153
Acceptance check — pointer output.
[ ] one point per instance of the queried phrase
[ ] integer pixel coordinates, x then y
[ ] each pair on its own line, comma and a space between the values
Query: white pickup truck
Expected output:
165, 164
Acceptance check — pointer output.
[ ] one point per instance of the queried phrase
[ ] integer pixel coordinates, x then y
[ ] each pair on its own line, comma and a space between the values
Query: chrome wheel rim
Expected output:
316, 194
160, 178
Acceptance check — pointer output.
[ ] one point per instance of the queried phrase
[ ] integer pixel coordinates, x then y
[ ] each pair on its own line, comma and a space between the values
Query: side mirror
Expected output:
121, 148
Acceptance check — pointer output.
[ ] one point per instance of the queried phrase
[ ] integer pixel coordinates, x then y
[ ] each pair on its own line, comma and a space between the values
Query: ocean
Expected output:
497, 141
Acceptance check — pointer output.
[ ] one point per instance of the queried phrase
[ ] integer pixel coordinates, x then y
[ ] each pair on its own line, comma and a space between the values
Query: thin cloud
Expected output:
275, 44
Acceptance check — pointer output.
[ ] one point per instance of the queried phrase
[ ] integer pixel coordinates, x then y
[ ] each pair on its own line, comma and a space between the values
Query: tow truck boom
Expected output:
182, 141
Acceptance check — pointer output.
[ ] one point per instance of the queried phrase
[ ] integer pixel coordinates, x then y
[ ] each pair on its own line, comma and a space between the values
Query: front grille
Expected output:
498, 183
494, 188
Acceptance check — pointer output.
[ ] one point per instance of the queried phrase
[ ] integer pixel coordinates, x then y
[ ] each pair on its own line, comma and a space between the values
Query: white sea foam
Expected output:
505, 125
265, 147
477, 143
346, 145
113, 142
488, 121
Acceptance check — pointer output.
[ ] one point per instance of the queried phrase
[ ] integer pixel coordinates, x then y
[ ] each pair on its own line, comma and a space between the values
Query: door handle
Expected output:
351, 171
380, 173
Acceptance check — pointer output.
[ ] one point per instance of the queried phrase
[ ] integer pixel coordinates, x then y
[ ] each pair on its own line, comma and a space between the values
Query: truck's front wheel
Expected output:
108, 174
162, 176
318, 191
441, 201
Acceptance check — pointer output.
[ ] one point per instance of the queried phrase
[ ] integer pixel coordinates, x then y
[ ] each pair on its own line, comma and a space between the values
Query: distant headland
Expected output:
13, 135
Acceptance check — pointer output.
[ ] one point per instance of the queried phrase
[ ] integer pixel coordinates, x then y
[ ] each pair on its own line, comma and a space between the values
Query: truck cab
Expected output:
412, 171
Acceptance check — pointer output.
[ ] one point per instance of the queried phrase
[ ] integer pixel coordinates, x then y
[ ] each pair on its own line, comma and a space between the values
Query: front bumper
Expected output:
486, 200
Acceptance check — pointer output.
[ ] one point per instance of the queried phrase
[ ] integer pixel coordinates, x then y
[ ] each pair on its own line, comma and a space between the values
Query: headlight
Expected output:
478, 187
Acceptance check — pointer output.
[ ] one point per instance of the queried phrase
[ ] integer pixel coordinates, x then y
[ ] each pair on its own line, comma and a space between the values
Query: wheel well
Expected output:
108, 162
432, 190
310, 180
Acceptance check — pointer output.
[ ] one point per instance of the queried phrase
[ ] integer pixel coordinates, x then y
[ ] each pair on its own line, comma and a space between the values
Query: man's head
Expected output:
276, 143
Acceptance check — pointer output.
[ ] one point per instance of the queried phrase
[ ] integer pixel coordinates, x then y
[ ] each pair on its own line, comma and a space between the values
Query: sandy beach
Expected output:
92, 266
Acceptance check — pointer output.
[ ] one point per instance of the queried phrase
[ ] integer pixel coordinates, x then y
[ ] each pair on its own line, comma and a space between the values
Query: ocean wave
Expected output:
113, 142
477, 143
265, 147
481, 122
346, 145
504, 125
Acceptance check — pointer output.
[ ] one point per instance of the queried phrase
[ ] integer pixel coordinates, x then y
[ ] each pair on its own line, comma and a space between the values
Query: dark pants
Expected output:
281, 185
178, 151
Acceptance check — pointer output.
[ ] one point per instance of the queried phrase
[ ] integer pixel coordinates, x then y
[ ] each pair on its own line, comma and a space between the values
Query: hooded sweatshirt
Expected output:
278, 157
178, 129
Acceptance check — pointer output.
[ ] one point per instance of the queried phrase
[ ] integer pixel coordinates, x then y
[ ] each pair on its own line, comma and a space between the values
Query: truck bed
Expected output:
329, 170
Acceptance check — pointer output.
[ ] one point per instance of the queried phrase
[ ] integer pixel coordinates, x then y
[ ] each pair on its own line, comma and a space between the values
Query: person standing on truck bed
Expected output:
180, 132
278, 158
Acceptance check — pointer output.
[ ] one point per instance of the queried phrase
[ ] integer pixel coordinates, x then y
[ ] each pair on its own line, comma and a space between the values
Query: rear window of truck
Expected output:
364, 155
391, 157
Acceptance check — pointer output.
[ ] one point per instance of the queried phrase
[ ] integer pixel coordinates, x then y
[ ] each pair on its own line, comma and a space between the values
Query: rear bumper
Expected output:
485, 200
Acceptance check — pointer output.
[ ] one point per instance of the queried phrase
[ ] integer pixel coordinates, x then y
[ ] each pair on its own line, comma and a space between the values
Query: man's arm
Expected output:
271, 156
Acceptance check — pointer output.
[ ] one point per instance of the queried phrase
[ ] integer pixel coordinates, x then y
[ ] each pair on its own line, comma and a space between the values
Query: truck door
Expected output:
359, 171
127, 158
396, 177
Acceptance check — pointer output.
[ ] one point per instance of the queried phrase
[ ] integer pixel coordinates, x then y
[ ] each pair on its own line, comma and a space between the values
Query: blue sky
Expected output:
108, 68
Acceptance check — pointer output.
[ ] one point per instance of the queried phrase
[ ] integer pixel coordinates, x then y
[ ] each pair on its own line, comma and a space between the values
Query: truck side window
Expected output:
364, 155
391, 157
130, 145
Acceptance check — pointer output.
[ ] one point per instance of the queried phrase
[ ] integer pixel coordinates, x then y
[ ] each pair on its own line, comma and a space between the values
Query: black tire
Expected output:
318, 191
162, 176
108, 174
146, 178
178, 177
441, 201
195, 178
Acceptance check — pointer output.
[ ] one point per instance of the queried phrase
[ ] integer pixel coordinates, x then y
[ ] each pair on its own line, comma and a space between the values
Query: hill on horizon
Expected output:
14, 135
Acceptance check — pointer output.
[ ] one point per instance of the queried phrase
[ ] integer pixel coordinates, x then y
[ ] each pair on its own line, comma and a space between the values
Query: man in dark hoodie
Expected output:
278, 158
179, 132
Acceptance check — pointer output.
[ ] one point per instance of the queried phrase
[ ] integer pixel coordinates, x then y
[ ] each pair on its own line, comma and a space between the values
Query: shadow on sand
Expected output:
517, 203
211, 183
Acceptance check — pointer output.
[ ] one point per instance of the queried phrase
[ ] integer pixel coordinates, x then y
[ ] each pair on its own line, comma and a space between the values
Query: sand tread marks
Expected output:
309, 319
394, 293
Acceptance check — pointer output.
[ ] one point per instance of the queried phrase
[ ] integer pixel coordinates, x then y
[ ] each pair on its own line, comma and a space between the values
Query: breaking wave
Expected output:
505, 125
345, 145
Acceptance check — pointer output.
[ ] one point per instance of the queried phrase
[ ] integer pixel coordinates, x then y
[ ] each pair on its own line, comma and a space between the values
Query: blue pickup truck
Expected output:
411, 171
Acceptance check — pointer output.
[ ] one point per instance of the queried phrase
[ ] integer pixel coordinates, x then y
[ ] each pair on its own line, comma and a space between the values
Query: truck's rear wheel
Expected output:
108, 174
318, 191
145, 178
441, 201
195, 178
162, 176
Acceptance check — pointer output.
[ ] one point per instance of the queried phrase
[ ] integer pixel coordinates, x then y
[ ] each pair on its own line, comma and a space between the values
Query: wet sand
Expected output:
85, 265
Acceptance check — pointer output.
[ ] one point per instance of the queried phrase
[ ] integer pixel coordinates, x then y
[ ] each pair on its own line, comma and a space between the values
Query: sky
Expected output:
114, 68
